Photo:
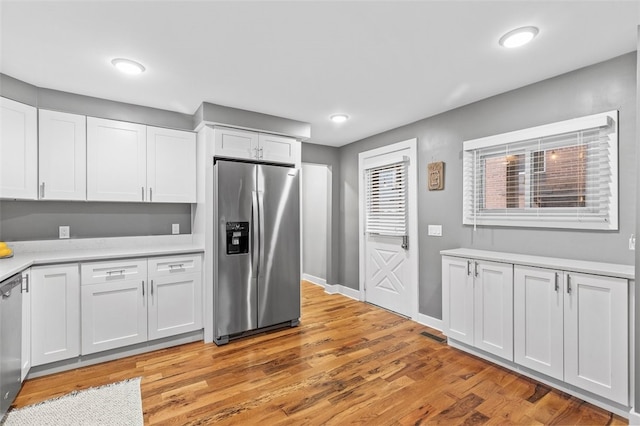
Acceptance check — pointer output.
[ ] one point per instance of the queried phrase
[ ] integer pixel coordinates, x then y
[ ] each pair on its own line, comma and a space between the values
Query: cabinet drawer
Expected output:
113, 271
166, 266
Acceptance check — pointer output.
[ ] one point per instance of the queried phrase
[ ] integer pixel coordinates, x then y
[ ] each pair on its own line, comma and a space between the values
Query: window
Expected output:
386, 200
561, 175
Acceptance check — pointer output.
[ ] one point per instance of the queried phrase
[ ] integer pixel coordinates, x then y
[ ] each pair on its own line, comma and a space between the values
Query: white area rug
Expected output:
115, 404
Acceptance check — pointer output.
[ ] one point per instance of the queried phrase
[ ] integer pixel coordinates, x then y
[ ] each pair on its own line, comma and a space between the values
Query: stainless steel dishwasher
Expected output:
10, 340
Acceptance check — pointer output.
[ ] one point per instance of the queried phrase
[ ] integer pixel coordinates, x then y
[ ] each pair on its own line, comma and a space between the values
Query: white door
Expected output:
538, 319
388, 265
55, 308
171, 166
18, 150
278, 149
116, 160
493, 309
231, 143
175, 305
63, 156
596, 335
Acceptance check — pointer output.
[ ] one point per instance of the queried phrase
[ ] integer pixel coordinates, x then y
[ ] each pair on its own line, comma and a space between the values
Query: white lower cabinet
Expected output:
130, 301
478, 304
55, 319
573, 327
568, 326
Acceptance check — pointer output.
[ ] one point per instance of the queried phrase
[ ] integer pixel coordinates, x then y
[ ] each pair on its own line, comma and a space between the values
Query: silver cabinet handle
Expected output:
150, 194
119, 272
26, 282
261, 152
142, 285
255, 153
557, 287
151, 288
42, 190
142, 191
475, 269
177, 266
568, 284
468, 267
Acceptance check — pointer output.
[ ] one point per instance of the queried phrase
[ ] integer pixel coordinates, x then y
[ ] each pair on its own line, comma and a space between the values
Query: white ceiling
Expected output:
384, 63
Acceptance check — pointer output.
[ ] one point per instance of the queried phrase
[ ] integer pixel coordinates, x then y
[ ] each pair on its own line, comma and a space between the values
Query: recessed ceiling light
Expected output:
339, 118
518, 37
128, 66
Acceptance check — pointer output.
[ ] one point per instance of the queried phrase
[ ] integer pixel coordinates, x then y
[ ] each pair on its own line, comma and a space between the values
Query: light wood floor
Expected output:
347, 362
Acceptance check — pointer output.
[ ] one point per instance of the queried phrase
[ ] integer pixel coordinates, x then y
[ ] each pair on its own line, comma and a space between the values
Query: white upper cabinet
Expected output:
171, 165
236, 143
116, 160
18, 150
278, 149
231, 143
62, 151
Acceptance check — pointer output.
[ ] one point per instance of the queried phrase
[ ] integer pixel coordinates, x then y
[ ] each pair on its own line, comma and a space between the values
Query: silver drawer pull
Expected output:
119, 272
177, 266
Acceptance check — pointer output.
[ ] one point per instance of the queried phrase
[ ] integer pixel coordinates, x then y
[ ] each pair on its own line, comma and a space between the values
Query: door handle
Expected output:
475, 269
405, 242
557, 287
152, 290
142, 285
468, 267
255, 236
568, 284
261, 230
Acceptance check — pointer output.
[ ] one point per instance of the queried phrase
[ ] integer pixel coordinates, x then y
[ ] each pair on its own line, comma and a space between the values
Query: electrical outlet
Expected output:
63, 232
435, 230
175, 228
632, 242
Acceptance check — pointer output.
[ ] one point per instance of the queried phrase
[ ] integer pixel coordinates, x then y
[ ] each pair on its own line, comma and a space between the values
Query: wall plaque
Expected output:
435, 176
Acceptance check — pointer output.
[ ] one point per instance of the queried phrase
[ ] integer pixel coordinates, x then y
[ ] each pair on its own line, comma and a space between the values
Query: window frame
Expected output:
541, 217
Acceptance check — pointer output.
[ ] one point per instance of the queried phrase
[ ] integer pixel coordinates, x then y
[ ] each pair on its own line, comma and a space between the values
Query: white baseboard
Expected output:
343, 290
432, 322
314, 280
634, 418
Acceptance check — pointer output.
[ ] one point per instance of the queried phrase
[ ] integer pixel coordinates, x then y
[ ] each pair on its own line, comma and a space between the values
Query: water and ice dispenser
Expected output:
237, 237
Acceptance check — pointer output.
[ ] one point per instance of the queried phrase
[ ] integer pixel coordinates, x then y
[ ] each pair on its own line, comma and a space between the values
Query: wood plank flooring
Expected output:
347, 362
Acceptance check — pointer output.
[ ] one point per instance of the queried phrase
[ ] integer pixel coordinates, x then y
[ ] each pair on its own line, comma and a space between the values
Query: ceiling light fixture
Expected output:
339, 118
518, 37
128, 66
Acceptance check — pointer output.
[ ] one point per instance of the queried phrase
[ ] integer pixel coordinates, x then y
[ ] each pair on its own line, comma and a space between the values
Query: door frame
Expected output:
412, 146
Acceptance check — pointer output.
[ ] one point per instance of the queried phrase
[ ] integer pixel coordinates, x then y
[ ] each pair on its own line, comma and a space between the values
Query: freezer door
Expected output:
279, 268
235, 275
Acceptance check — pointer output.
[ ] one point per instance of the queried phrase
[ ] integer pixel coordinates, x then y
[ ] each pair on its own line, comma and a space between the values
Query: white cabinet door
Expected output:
171, 165
55, 307
457, 299
175, 305
538, 320
63, 156
596, 335
116, 160
278, 149
232, 143
114, 314
18, 150
175, 295
493, 308
26, 324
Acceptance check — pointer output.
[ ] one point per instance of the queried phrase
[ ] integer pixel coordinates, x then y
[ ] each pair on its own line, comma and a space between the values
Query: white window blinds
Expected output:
559, 175
386, 199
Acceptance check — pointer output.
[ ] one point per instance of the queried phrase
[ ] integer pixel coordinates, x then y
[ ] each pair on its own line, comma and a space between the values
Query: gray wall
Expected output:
601, 87
39, 220
315, 216
329, 156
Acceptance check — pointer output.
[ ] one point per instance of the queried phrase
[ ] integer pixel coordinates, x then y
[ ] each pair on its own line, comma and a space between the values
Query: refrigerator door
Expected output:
235, 272
279, 269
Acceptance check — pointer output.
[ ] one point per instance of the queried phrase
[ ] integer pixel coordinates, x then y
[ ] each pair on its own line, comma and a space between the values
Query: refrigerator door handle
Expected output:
255, 236
261, 226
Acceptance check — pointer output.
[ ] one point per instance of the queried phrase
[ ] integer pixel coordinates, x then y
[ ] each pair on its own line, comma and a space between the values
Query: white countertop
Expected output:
33, 253
587, 267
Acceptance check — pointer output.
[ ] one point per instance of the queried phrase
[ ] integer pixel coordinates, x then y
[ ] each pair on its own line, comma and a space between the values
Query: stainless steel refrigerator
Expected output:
256, 248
